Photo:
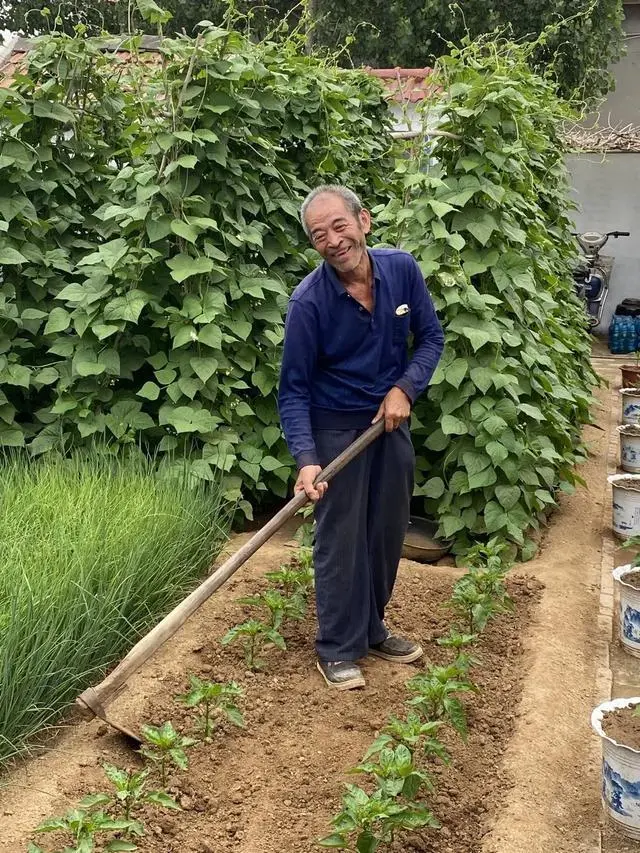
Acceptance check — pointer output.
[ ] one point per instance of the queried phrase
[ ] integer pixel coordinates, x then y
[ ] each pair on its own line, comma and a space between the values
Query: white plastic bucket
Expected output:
630, 405
629, 608
630, 447
626, 504
620, 773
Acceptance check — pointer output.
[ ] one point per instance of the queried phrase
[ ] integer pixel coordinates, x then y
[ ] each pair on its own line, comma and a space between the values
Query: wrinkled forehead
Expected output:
326, 209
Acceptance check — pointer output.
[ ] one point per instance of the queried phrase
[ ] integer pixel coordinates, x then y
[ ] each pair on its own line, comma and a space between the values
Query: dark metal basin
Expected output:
420, 543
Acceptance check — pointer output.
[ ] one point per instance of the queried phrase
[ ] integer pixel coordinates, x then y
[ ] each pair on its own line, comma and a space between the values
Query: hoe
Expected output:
94, 699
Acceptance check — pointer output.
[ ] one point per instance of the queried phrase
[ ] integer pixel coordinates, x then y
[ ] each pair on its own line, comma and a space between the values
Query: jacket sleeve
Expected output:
428, 337
296, 375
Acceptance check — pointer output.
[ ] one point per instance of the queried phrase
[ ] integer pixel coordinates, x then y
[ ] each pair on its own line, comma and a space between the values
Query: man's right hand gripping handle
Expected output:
304, 483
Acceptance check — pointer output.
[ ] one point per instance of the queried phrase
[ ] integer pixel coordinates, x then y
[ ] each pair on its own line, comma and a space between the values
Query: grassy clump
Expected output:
93, 550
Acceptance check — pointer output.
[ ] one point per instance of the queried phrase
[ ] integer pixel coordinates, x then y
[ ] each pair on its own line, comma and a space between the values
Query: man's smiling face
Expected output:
337, 233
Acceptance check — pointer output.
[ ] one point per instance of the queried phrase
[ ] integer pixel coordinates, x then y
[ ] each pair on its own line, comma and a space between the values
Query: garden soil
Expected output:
623, 726
527, 779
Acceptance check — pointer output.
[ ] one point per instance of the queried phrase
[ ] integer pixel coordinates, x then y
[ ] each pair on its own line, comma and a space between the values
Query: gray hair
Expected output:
353, 203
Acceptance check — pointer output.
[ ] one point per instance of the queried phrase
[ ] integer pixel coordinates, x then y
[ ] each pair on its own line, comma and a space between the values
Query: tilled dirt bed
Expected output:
275, 785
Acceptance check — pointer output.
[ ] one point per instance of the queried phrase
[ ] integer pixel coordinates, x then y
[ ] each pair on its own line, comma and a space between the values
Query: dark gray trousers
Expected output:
360, 527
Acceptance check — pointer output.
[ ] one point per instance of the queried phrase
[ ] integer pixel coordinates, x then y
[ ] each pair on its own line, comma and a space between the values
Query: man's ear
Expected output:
365, 221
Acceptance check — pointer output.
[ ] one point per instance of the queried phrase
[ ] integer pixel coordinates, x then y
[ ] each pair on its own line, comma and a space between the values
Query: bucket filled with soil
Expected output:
630, 447
630, 405
618, 727
626, 504
626, 580
630, 375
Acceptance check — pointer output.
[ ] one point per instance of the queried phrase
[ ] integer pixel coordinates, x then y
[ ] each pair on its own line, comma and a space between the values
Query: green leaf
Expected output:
482, 378
475, 462
149, 391
498, 452
11, 436
495, 518
9, 256
153, 13
185, 419
335, 841
184, 230
456, 372
508, 496
46, 376
59, 320
127, 307
205, 368
211, 336
270, 435
43, 107
434, 488
483, 478
184, 266
453, 426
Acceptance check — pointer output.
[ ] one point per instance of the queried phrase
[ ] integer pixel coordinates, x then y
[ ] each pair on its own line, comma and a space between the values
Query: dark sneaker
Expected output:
341, 674
397, 649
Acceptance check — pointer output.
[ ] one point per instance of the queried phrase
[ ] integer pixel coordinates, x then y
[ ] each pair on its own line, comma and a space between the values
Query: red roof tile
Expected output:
405, 84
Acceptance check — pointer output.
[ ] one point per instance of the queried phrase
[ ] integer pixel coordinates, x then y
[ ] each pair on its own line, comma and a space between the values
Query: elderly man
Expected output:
345, 366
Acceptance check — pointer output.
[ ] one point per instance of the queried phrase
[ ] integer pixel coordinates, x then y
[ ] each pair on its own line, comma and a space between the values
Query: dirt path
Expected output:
553, 758
274, 786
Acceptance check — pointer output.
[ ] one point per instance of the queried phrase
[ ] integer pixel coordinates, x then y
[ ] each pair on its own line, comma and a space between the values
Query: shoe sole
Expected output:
351, 684
408, 658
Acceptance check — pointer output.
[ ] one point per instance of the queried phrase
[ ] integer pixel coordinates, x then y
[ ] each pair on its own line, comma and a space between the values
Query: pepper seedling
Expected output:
414, 733
165, 746
131, 793
366, 822
255, 636
436, 698
217, 701
395, 773
279, 606
87, 821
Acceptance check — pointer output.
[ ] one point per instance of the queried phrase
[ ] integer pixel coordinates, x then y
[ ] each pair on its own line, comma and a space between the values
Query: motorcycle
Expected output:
593, 272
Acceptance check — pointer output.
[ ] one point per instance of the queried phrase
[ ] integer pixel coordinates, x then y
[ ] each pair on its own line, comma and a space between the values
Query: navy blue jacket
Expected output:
340, 361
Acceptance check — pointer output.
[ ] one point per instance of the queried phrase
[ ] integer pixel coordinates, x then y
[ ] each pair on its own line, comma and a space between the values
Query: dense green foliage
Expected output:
411, 33
149, 239
150, 243
490, 227
92, 551
381, 33
32, 17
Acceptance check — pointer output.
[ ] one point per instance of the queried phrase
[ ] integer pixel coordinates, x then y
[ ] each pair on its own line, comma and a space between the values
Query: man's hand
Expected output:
304, 483
395, 409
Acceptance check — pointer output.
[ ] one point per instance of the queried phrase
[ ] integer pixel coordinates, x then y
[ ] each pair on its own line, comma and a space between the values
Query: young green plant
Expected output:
436, 696
368, 821
254, 635
395, 773
87, 824
414, 733
131, 793
218, 702
165, 747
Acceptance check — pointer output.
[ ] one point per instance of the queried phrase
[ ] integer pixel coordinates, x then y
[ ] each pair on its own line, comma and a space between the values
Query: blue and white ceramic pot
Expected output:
620, 773
630, 405
629, 607
626, 504
630, 448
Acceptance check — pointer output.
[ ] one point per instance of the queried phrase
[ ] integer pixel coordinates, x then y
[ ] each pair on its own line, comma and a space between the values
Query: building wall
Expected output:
608, 188
608, 192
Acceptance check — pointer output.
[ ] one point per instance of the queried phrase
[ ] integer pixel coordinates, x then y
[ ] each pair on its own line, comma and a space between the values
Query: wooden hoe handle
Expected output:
95, 698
